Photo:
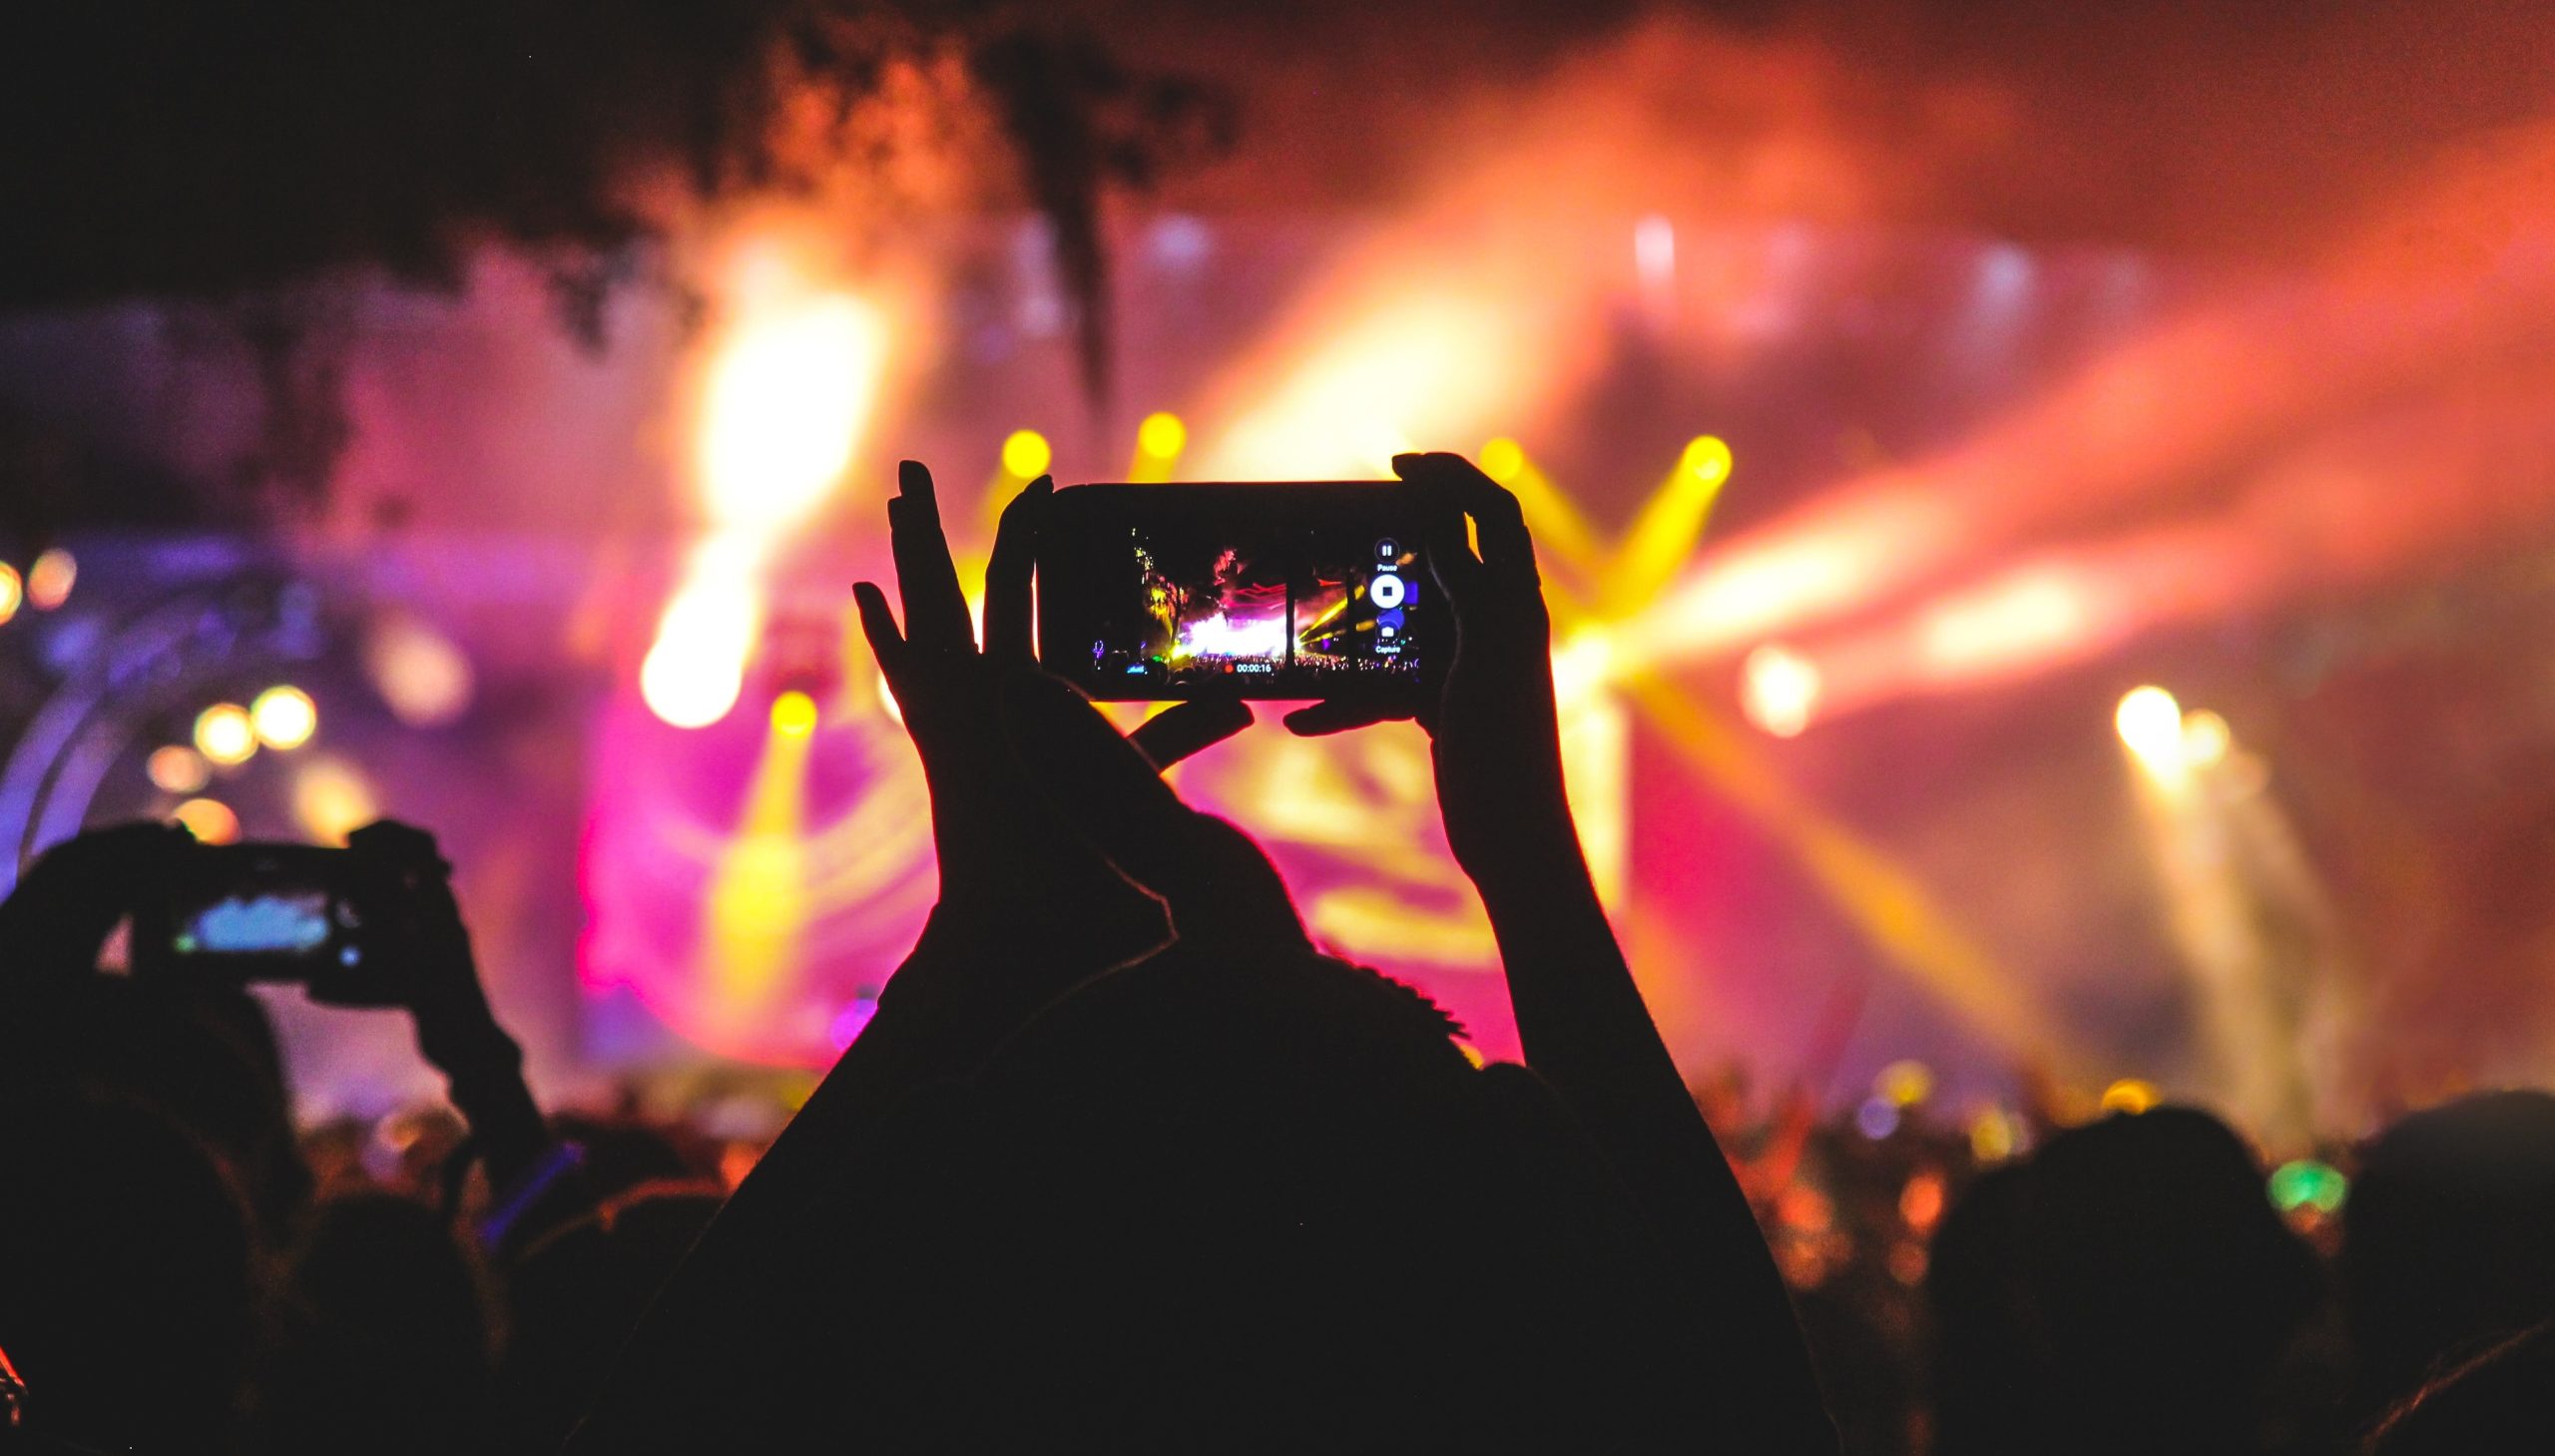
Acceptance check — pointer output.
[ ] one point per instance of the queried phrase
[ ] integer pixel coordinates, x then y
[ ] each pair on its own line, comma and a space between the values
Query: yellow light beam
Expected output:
1884, 904
759, 893
1663, 536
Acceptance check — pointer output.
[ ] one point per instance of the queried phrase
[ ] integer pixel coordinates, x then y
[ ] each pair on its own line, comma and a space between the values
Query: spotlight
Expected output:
2150, 724
224, 734
794, 715
284, 718
1502, 458
1706, 459
1162, 436
1778, 690
12, 591
1026, 454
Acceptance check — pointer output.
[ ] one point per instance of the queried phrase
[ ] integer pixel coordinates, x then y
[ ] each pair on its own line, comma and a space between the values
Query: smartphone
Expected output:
1316, 589
255, 912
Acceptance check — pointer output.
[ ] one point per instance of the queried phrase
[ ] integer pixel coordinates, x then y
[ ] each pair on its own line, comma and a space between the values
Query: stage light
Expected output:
1026, 455
794, 715
2306, 1182
224, 734
693, 674
418, 672
2129, 1095
331, 800
1706, 459
1778, 690
176, 768
1162, 436
209, 819
1905, 1083
787, 396
759, 894
284, 718
2204, 740
12, 592
2150, 724
49, 579
1501, 459
1921, 1202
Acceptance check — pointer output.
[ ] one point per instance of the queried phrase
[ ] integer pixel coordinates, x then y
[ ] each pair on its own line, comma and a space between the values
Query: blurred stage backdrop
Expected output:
2047, 662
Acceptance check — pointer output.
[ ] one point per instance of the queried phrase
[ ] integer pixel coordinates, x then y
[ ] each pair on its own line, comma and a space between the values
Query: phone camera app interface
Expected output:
1304, 607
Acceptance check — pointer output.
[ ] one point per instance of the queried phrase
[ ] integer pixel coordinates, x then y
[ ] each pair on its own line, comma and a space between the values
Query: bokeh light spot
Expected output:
224, 734
284, 718
209, 819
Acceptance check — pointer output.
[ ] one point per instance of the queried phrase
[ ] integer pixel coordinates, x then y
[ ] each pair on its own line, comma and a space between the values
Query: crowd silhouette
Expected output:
1125, 1160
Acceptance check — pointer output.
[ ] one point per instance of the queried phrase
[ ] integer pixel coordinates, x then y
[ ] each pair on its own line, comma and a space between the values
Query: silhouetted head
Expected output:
2145, 1285
576, 1296
2446, 1242
388, 1349
126, 1283
2499, 1403
202, 1055
1249, 1201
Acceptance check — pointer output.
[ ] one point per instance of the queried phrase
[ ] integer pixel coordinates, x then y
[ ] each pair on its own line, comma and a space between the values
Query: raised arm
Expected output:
1035, 801
1497, 750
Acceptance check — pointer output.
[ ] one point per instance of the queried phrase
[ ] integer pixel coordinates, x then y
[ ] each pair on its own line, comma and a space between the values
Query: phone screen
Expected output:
285, 923
255, 912
1313, 590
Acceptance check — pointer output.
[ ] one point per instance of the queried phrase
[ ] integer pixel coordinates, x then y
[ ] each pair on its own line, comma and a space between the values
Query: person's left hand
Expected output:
56, 921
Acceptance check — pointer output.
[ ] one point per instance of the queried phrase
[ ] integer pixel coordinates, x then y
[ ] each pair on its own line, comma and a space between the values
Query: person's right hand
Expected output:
1495, 731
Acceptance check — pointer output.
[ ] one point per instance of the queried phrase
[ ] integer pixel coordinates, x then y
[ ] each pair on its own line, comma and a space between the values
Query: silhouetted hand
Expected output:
57, 919
421, 959
1494, 731
1108, 785
1032, 787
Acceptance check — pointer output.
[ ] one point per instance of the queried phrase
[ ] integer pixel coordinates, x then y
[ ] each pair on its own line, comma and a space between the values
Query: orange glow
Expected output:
12, 592
175, 768
209, 819
49, 579
331, 800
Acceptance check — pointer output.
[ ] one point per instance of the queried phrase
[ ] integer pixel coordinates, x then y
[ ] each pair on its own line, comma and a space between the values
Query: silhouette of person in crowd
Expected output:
1122, 1161
2130, 1289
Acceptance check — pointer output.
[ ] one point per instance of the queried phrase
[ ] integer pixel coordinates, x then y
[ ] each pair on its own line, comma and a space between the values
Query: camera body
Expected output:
1299, 590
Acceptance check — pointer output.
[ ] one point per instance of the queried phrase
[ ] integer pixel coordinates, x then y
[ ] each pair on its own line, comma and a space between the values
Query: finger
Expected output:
878, 625
1498, 521
1010, 617
1188, 728
926, 579
1324, 718
1449, 555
